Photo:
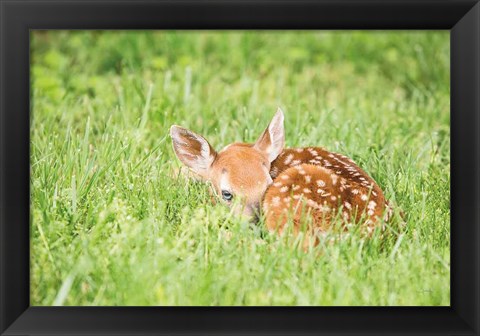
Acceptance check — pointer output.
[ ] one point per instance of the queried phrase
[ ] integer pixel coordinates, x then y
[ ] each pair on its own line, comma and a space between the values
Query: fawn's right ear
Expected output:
272, 140
192, 149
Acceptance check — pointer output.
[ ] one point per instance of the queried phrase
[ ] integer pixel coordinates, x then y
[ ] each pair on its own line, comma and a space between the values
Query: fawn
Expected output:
287, 183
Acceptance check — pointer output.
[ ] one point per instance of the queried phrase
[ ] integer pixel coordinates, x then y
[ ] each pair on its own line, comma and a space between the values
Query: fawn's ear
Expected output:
272, 141
192, 149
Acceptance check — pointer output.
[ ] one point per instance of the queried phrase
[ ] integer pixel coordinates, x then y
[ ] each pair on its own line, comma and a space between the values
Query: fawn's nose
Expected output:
255, 212
254, 207
248, 210
252, 210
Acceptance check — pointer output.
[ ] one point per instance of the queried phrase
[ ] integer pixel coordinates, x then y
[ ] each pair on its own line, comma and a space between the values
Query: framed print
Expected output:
227, 167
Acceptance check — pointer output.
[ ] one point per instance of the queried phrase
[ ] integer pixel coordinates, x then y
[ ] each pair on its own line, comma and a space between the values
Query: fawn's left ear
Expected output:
272, 141
192, 149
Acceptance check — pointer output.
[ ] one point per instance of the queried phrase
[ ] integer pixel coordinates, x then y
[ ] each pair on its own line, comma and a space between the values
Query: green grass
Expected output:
112, 225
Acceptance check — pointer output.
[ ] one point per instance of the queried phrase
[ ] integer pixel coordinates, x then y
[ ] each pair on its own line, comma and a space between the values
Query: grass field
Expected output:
113, 225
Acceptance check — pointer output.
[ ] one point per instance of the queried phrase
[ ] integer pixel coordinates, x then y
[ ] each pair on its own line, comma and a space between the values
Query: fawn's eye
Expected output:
226, 195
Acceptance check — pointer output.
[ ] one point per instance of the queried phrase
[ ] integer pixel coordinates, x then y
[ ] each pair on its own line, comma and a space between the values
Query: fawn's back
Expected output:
313, 182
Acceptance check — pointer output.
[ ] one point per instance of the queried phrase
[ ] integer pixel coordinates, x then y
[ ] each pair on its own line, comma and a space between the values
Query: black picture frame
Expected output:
18, 17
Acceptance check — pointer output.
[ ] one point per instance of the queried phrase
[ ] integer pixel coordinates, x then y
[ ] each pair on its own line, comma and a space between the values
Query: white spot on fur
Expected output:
323, 193
276, 201
321, 183
295, 187
355, 191
277, 184
296, 162
347, 205
284, 189
308, 178
285, 177
364, 197
370, 212
334, 179
299, 150
333, 198
372, 205
306, 191
288, 159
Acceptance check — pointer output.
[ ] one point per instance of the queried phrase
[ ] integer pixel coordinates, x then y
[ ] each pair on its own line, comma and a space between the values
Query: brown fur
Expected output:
248, 181
345, 190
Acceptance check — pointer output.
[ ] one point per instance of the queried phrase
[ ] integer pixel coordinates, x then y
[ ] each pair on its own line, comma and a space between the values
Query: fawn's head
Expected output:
239, 173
